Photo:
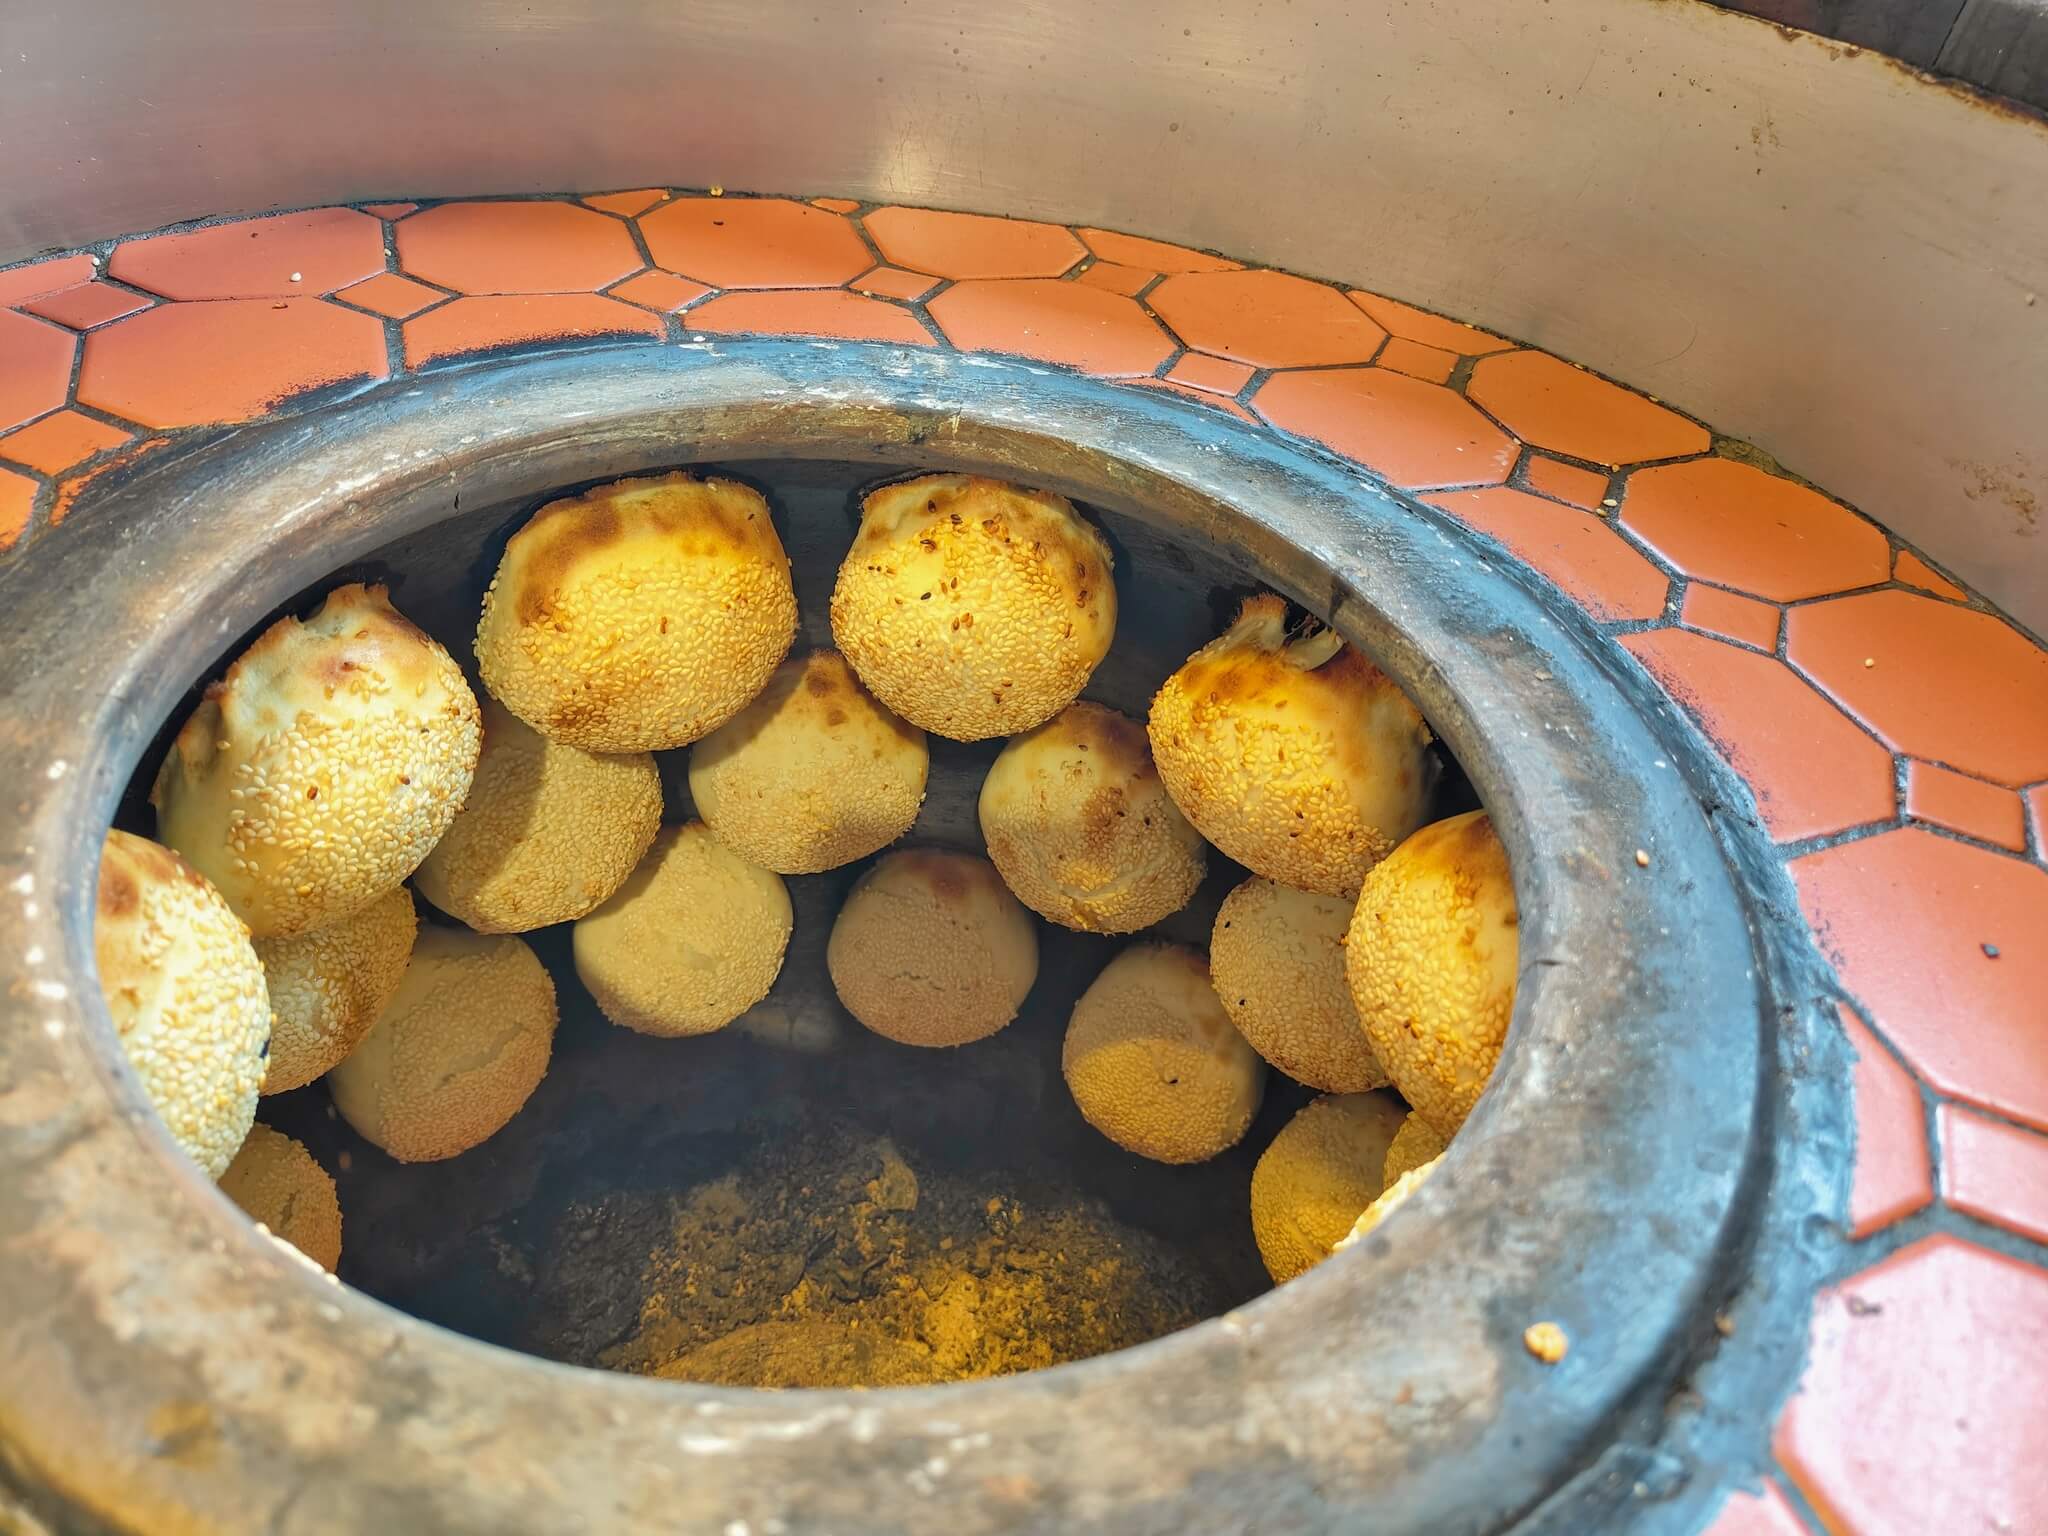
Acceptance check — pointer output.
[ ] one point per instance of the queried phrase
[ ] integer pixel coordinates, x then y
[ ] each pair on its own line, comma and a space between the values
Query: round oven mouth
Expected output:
1603, 1183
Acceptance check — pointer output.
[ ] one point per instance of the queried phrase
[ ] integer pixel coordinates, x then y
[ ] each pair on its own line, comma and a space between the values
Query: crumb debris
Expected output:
1546, 1341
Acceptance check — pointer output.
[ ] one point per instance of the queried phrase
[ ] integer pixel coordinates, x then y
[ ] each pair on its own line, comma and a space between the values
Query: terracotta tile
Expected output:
73, 488
1811, 771
255, 258
1894, 1176
810, 312
662, 292
1415, 434
1548, 403
1135, 251
59, 441
1431, 364
1915, 572
1567, 482
1944, 798
500, 320
1582, 555
835, 204
20, 284
183, 365
1217, 375
766, 242
1993, 1171
1920, 1407
1202, 396
389, 210
1934, 680
388, 294
1267, 319
2037, 814
87, 305
516, 248
17, 502
35, 367
894, 283
1739, 527
1055, 322
627, 204
1756, 1514
1946, 947
1111, 278
1731, 615
972, 244
1412, 324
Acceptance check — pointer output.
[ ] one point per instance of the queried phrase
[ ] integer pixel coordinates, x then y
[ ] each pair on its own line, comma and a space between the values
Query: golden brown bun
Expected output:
638, 616
1318, 1175
328, 986
280, 1187
547, 834
973, 608
1277, 958
186, 994
319, 771
1081, 828
1299, 759
813, 774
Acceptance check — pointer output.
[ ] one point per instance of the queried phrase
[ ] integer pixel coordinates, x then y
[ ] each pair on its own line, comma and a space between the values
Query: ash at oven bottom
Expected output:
833, 1261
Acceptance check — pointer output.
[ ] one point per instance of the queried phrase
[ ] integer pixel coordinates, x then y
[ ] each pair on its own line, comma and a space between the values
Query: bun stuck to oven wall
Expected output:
640, 615
1293, 754
322, 767
186, 994
974, 608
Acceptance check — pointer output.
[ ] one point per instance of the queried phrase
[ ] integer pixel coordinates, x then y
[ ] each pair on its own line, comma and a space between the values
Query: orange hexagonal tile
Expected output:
17, 502
73, 487
1915, 572
1055, 322
35, 367
516, 248
36, 278
1548, 403
972, 244
185, 365
1107, 275
394, 297
1936, 681
1920, 1407
87, 305
810, 312
894, 283
1267, 319
1585, 557
1993, 1171
1944, 798
1734, 525
1566, 482
1756, 1514
1419, 325
60, 440
1217, 375
755, 242
1894, 1177
627, 204
2037, 816
1135, 251
1730, 615
1417, 435
1946, 947
502, 320
1416, 360
1811, 771
282, 256
835, 204
1199, 396
662, 292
